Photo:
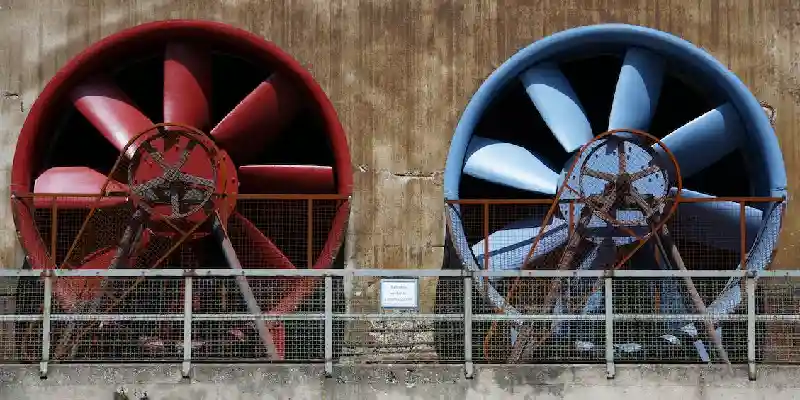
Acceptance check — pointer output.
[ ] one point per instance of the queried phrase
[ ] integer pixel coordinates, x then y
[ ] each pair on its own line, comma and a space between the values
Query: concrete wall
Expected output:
400, 73
297, 383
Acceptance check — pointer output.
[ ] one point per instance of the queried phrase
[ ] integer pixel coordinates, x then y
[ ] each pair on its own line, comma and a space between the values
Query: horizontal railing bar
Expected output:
746, 199
539, 273
284, 196
499, 201
390, 273
20, 318
116, 317
274, 196
632, 273
253, 317
179, 317
680, 317
223, 272
399, 316
68, 195
538, 317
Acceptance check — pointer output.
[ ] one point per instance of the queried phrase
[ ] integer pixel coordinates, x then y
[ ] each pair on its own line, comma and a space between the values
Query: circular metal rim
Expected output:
40, 118
673, 205
760, 134
211, 152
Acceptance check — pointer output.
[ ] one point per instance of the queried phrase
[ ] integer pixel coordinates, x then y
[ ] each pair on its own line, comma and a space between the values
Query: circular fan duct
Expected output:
521, 132
267, 124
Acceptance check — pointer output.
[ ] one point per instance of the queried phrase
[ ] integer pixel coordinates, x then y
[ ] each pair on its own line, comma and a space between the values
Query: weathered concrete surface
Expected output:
399, 74
371, 382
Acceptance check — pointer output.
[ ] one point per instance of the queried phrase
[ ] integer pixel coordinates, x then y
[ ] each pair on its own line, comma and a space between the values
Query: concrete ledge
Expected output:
99, 382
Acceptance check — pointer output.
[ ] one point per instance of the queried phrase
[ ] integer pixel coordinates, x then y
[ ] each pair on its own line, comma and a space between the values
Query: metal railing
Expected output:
477, 219
329, 315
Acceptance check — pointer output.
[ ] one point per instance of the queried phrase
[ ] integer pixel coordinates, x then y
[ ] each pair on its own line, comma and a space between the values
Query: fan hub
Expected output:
180, 177
623, 165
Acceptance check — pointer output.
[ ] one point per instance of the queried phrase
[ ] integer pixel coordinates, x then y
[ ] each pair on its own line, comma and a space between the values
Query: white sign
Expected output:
399, 293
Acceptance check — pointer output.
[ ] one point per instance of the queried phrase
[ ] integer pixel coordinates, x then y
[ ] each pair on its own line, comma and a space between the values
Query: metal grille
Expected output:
761, 329
195, 315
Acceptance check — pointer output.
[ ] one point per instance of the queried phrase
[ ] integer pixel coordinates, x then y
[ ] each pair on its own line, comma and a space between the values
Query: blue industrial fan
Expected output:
523, 127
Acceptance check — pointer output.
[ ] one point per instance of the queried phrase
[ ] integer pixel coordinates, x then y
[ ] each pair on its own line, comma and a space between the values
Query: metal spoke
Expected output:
185, 155
208, 183
645, 172
175, 201
155, 155
608, 177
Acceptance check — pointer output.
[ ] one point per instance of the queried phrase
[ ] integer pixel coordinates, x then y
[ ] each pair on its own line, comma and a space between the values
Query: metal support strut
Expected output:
244, 286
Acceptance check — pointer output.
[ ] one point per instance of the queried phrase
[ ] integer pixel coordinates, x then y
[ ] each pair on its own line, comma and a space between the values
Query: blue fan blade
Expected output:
717, 222
638, 88
704, 140
509, 246
508, 165
558, 105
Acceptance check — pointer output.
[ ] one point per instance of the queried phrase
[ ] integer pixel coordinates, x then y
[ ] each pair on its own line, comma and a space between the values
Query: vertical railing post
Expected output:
310, 233
328, 326
46, 310
742, 234
469, 368
609, 319
54, 231
486, 236
186, 367
751, 326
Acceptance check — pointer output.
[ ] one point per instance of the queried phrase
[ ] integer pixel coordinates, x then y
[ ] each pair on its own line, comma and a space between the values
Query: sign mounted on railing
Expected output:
399, 293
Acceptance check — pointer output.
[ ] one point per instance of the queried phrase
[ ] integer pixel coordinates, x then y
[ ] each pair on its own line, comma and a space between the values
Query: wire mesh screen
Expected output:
225, 330
483, 307
778, 330
640, 337
123, 337
547, 339
21, 337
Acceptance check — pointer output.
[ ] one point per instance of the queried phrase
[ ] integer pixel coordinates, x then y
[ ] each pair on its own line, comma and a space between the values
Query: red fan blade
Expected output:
110, 110
261, 252
279, 338
331, 247
264, 253
187, 85
72, 290
75, 180
304, 286
247, 129
301, 179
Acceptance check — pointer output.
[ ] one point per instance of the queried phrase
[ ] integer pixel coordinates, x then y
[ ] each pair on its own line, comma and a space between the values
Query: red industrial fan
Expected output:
242, 122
